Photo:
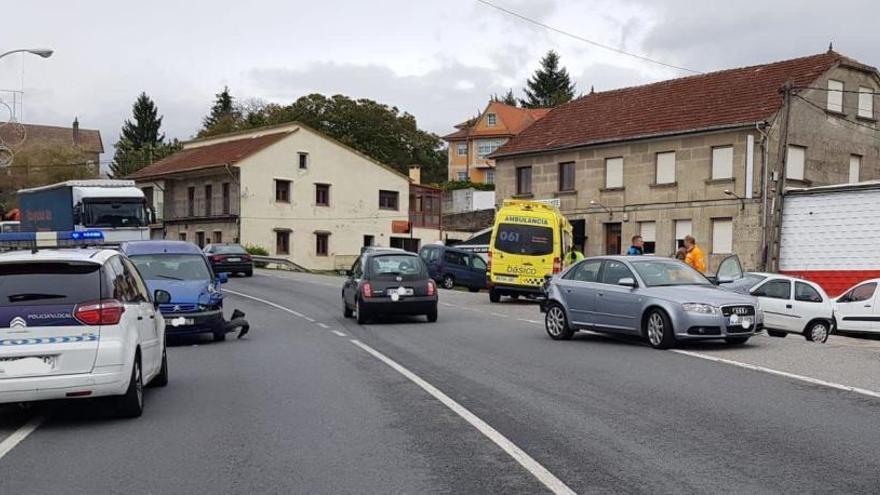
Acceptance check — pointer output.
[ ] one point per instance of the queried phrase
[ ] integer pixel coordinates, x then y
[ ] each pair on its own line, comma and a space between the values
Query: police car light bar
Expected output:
48, 240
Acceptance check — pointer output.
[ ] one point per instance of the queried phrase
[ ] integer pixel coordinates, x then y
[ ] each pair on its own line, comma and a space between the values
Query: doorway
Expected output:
612, 238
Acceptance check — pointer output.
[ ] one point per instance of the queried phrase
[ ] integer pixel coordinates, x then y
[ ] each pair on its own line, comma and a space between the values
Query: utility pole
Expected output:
775, 225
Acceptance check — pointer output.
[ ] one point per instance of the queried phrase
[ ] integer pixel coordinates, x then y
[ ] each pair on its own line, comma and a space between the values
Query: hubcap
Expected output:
138, 384
555, 321
819, 332
655, 329
448, 283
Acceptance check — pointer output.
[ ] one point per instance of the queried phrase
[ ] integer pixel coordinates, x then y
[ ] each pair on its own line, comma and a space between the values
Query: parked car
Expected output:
230, 258
662, 300
790, 305
183, 270
450, 267
386, 281
79, 323
858, 309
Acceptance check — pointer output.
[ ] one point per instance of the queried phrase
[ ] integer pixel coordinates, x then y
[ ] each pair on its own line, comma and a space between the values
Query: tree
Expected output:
549, 86
141, 142
224, 117
507, 99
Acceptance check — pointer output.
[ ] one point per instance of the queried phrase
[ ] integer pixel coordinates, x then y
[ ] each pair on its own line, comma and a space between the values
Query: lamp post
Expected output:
742, 202
42, 52
593, 202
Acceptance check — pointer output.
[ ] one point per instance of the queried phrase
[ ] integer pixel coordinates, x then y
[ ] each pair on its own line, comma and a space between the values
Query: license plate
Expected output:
233, 259
179, 321
400, 291
505, 278
27, 365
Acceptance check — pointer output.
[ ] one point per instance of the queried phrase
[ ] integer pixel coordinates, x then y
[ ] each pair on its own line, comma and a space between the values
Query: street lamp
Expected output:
43, 52
593, 202
742, 202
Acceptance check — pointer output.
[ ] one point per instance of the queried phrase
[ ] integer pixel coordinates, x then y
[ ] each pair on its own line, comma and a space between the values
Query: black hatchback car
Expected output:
230, 258
386, 281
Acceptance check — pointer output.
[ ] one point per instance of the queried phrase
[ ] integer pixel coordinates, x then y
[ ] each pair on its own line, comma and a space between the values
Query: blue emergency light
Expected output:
87, 235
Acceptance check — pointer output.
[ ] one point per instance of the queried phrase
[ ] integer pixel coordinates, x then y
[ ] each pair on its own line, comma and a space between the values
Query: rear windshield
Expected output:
227, 249
31, 284
397, 265
172, 266
529, 240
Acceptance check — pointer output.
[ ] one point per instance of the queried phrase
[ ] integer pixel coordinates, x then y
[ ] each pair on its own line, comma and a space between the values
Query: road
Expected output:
311, 402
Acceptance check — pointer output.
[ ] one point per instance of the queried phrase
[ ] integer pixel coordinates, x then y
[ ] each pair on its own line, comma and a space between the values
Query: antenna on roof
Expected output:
592, 89
830, 46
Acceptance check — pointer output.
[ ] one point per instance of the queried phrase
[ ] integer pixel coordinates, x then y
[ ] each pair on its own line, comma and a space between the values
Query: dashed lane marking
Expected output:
529, 321
323, 325
19, 435
269, 303
337, 332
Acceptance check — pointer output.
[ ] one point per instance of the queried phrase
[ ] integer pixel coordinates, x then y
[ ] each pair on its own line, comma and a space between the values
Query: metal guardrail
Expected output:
280, 262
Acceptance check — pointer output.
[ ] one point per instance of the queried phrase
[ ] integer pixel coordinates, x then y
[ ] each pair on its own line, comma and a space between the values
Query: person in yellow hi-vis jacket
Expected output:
573, 256
695, 256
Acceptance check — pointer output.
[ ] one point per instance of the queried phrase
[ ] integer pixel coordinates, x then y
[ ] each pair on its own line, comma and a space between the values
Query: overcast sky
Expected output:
439, 60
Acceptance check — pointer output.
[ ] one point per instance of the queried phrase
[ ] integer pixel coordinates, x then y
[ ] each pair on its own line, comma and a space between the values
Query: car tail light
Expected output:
367, 290
216, 257
431, 288
106, 312
557, 265
489, 262
246, 257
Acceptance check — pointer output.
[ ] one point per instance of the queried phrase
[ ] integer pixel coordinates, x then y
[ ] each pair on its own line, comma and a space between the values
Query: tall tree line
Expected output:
141, 141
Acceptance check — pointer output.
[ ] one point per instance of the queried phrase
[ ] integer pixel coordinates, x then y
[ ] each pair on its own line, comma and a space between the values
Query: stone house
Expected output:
708, 155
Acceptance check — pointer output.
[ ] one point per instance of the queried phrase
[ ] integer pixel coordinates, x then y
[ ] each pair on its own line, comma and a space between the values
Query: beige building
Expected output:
292, 190
706, 155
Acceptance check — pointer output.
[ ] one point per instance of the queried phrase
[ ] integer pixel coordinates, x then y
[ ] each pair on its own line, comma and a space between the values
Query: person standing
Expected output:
695, 256
638, 246
573, 256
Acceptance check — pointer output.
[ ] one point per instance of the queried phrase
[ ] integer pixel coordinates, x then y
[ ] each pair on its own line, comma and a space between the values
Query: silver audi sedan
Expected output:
662, 300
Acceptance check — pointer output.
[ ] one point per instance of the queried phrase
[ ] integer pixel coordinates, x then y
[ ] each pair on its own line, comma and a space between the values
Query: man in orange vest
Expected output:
695, 256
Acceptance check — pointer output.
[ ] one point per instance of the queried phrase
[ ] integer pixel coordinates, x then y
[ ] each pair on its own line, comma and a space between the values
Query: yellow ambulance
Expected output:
529, 241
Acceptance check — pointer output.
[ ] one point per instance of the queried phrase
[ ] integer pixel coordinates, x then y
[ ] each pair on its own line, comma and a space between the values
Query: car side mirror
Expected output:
724, 280
627, 282
161, 297
223, 277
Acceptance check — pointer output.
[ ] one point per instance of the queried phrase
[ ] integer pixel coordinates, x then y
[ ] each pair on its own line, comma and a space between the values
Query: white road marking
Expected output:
498, 315
553, 483
528, 321
19, 435
337, 332
323, 325
310, 320
807, 379
446, 304
269, 303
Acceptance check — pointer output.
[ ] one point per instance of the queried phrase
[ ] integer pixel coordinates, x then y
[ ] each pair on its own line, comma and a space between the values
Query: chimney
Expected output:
415, 174
76, 130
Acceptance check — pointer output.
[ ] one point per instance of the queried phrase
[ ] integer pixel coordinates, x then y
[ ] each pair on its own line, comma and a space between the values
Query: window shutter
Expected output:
613, 173
794, 166
666, 167
682, 228
835, 95
722, 236
722, 162
855, 165
648, 231
866, 102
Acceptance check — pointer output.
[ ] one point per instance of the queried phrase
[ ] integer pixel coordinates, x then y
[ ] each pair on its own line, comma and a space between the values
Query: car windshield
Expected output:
29, 284
227, 249
660, 273
397, 265
172, 267
530, 240
115, 213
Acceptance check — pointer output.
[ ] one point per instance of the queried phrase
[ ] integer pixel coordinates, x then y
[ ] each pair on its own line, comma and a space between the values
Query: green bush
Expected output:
257, 251
466, 184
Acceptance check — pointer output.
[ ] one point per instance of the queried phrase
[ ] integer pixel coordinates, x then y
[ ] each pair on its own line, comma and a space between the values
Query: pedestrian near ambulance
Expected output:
695, 256
573, 256
638, 246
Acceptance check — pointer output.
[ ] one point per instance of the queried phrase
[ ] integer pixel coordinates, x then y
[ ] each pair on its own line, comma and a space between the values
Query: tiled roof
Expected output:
209, 155
714, 100
511, 121
49, 135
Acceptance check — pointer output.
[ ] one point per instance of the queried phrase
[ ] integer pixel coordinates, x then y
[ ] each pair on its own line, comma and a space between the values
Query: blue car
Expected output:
182, 270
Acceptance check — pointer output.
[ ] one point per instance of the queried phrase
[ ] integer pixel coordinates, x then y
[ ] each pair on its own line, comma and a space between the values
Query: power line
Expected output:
585, 40
834, 90
844, 119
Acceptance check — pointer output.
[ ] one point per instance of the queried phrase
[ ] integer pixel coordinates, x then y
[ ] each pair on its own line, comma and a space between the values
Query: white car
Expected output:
78, 324
791, 305
858, 309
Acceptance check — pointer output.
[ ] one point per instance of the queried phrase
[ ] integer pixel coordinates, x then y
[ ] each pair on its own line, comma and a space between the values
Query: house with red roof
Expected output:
475, 139
709, 155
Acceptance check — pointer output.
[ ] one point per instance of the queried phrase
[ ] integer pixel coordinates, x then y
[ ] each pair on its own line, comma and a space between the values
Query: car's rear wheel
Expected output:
432, 315
658, 330
448, 282
361, 313
556, 323
161, 379
131, 405
736, 340
776, 333
494, 296
817, 331
346, 311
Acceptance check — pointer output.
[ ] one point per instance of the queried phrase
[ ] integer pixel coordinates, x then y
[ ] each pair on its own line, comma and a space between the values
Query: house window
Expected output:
490, 176
648, 231
388, 200
369, 240
722, 162
225, 205
282, 191
191, 201
855, 166
683, 229
835, 95
666, 168
462, 176
613, 173
491, 120
200, 239
181, 236
209, 196
488, 146
866, 102
282, 242
722, 236
217, 238
322, 239
566, 176
322, 194
303, 160
461, 149
794, 162
524, 180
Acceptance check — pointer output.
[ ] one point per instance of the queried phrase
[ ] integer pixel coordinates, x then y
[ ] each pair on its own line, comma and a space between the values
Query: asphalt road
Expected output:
297, 407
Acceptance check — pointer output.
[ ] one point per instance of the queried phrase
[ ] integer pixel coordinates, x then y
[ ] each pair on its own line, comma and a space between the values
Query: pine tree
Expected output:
507, 99
224, 116
549, 86
141, 141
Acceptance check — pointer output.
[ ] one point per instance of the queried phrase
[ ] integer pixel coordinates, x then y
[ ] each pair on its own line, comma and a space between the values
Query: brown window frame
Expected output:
322, 244
387, 194
286, 198
282, 242
562, 176
520, 189
318, 189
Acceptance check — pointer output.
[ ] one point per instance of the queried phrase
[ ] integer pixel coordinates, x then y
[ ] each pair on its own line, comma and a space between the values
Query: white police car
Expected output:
77, 323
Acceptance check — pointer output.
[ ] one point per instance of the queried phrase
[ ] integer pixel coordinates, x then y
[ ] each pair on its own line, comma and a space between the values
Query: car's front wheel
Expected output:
817, 331
494, 296
556, 323
161, 379
131, 405
658, 330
